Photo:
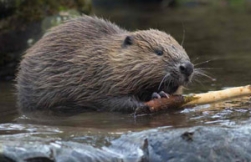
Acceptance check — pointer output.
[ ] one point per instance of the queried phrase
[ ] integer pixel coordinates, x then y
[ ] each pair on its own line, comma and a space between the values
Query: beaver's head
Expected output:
153, 61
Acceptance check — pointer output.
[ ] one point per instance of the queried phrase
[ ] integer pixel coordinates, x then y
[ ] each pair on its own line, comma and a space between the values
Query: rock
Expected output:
193, 144
163, 144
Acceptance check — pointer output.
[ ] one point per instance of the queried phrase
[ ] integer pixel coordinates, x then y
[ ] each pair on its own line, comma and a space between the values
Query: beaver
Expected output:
89, 63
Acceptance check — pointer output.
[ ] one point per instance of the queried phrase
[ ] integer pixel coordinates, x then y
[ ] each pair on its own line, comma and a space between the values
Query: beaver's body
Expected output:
91, 64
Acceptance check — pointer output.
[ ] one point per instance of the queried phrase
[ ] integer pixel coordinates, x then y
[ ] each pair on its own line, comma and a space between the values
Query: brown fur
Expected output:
84, 64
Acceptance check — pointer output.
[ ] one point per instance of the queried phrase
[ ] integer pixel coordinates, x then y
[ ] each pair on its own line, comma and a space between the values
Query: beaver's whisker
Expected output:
197, 58
167, 84
199, 72
207, 76
198, 81
184, 35
162, 81
207, 68
204, 62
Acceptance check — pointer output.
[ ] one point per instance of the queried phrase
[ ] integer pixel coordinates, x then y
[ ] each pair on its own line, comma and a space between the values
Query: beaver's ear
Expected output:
128, 41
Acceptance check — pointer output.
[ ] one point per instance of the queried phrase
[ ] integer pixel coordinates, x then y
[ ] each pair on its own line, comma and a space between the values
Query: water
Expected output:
221, 36
7, 102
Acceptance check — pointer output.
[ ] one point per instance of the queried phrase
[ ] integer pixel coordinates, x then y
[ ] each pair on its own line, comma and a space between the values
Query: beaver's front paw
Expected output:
161, 94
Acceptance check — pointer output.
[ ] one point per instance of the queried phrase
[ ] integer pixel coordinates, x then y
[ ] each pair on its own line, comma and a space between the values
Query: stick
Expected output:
176, 102
216, 96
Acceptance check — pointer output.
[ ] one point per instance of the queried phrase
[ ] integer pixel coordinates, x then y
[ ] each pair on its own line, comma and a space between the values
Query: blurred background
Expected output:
216, 33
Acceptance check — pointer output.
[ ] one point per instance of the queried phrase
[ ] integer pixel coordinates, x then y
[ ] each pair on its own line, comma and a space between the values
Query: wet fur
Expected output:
84, 64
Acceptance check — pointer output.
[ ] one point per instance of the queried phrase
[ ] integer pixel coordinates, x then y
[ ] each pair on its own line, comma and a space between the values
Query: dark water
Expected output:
219, 35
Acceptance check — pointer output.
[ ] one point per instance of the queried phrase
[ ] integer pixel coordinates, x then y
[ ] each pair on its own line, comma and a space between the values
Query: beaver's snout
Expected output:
186, 68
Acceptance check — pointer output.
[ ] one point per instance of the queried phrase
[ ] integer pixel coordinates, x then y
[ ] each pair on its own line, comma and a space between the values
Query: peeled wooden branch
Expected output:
175, 102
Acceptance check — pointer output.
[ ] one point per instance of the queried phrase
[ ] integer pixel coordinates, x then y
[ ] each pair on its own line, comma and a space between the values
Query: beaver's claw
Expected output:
161, 94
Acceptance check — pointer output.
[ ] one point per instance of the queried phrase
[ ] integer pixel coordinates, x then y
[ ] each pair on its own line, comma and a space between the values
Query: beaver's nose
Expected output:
186, 68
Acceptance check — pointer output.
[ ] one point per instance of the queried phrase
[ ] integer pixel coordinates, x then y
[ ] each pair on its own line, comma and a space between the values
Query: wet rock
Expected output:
163, 144
193, 144
58, 151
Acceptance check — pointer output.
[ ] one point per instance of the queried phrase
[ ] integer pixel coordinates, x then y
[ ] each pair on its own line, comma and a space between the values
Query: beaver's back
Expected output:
74, 34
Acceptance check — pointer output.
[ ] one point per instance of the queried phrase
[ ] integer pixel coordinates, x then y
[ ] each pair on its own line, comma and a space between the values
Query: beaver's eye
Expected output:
128, 41
159, 52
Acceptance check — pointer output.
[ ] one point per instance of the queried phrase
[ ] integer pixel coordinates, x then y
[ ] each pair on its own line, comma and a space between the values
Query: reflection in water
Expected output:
8, 108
